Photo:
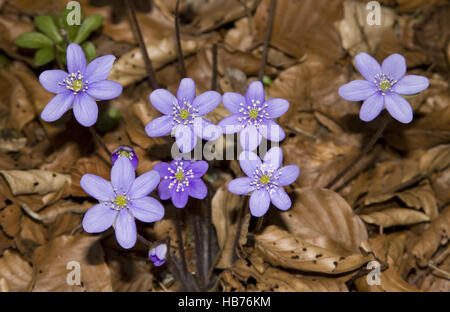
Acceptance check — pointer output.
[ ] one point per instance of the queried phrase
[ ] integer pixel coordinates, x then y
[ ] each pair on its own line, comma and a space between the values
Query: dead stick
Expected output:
267, 39
181, 65
214, 68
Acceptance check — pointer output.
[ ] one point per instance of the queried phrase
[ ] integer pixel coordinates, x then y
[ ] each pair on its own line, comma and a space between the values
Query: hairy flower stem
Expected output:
214, 68
240, 222
148, 63
179, 231
373, 140
181, 65
267, 39
199, 250
99, 140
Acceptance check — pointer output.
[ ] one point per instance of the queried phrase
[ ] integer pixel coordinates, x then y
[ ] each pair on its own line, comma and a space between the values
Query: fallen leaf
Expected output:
17, 272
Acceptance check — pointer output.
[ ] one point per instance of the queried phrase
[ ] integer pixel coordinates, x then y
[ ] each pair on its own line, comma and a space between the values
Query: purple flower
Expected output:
80, 87
383, 86
158, 254
125, 151
182, 115
252, 116
181, 179
265, 180
122, 200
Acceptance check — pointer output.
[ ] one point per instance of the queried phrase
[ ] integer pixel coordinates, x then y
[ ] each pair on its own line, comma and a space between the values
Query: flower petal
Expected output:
163, 101
249, 162
206, 102
357, 90
197, 189
240, 186
147, 209
162, 168
233, 101
104, 89
163, 189
255, 92
159, 126
230, 124
185, 138
98, 218
277, 107
280, 199
206, 129
76, 60
198, 168
270, 130
273, 157
411, 84
367, 66
394, 65
99, 68
186, 90
371, 107
288, 175
97, 187
259, 203
250, 138
50, 80
57, 106
144, 184
85, 109
122, 175
180, 198
398, 107
125, 228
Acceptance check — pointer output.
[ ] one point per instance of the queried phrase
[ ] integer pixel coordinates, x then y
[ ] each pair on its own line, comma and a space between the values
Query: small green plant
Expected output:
54, 34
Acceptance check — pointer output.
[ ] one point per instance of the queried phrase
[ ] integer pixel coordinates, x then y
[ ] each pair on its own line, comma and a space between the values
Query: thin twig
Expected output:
148, 63
199, 250
214, 68
99, 140
434, 267
239, 225
267, 39
179, 230
365, 150
300, 131
181, 65
259, 225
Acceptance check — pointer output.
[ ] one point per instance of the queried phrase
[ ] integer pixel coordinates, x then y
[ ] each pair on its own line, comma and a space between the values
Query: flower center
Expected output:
384, 82
253, 113
179, 175
121, 201
77, 85
184, 113
264, 179
125, 153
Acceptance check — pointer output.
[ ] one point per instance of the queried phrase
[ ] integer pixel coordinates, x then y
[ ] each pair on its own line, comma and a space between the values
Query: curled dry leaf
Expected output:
225, 210
35, 181
281, 248
92, 165
356, 34
433, 237
50, 213
17, 272
395, 216
130, 67
10, 219
50, 264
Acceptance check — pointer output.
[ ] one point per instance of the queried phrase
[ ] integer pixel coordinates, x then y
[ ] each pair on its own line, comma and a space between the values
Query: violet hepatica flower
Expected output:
252, 116
158, 254
80, 87
125, 151
181, 179
183, 115
121, 200
264, 180
383, 87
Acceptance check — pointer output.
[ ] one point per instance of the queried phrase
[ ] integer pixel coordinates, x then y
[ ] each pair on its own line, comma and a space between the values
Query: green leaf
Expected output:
71, 30
44, 56
90, 50
87, 27
33, 40
108, 120
267, 81
46, 25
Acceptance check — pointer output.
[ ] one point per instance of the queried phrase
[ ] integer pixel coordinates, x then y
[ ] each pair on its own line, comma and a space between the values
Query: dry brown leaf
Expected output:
434, 236
130, 67
10, 219
50, 264
17, 272
91, 165
225, 209
281, 248
356, 34
35, 181
395, 216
